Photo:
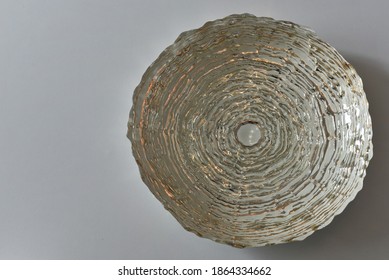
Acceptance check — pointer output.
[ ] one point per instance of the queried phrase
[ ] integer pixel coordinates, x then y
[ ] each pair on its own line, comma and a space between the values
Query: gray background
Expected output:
69, 187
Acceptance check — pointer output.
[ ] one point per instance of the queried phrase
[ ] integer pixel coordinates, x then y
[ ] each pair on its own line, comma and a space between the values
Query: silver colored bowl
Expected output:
251, 131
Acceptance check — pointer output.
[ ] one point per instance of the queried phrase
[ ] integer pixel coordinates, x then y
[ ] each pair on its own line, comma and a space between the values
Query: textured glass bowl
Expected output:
251, 131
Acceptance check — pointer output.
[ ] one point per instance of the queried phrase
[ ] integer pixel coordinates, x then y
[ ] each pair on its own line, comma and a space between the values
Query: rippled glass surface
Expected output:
251, 131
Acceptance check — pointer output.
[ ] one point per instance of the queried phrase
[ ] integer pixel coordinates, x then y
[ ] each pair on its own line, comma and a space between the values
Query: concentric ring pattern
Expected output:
308, 102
